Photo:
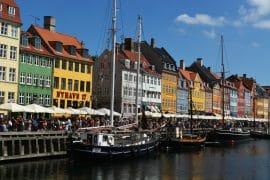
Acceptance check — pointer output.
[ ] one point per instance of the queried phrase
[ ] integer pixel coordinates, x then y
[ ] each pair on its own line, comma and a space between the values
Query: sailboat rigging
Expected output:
112, 142
226, 136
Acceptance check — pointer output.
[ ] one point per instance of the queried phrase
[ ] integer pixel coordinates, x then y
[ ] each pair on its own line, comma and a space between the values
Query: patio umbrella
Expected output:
108, 112
75, 111
58, 110
13, 107
39, 109
91, 111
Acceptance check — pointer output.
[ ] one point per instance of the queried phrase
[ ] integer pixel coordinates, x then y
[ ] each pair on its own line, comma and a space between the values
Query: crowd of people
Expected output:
72, 123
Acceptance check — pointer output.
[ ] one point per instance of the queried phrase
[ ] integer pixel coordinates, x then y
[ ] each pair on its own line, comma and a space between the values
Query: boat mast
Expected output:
138, 67
113, 60
191, 110
254, 112
222, 82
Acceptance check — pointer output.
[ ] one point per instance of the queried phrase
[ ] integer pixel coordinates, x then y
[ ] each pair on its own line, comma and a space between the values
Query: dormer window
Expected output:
11, 10
59, 46
37, 42
172, 67
24, 40
72, 50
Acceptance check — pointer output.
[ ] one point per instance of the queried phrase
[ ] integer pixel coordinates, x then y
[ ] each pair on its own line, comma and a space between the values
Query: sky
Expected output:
187, 29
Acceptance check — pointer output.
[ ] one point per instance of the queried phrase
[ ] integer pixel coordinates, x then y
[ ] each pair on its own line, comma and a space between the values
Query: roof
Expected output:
6, 16
188, 75
30, 48
206, 74
50, 36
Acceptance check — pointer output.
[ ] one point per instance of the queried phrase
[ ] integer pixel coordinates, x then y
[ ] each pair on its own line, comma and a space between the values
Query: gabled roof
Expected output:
31, 49
6, 16
206, 74
50, 36
188, 75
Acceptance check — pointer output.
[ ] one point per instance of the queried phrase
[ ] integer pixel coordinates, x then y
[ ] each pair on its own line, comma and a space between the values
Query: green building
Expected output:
35, 71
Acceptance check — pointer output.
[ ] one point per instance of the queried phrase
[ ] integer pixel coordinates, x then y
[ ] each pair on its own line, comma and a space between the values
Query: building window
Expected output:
88, 69
47, 100
36, 60
2, 73
64, 64
35, 80
49, 64
83, 68
3, 51
56, 82
37, 42
76, 67
70, 66
23, 58
2, 97
56, 63
13, 52
70, 84
22, 78
11, 96
48, 81
88, 86
82, 86
4, 28
41, 99
24, 40
59, 47
29, 79
12, 74
41, 81
29, 59
14, 31
73, 50
63, 83
11, 10
76, 85
21, 98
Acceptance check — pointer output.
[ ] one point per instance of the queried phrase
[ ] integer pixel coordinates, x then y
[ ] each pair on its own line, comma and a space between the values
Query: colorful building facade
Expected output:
10, 27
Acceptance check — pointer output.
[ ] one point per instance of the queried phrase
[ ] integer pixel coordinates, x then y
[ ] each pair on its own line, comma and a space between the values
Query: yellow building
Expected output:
72, 73
10, 27
198, 93
168, 92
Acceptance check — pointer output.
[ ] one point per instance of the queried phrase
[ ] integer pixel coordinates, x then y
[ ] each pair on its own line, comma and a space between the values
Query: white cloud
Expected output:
210, 34
264, 24
201, 19
256, 10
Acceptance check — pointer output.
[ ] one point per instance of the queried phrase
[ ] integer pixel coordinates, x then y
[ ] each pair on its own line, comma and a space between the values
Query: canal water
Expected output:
241, 162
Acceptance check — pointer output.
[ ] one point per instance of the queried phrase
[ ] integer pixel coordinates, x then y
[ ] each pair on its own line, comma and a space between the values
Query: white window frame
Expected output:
11, 10
12, 74
41, 81
2, 97
11, 97
2, 73
13, 53
4, 28
48, 81
28, 98
36, 60
14, 32
35, 80
41, 99
29, 79
22, 78
23, 58
47, 100
21, 98
3, 51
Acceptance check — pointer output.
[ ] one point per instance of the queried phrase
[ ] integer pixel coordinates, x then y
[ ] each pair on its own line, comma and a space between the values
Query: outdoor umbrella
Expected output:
39, 109
13, 107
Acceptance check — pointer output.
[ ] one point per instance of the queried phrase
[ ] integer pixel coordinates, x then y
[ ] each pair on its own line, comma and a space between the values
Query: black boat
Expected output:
228, 136
259, 135
109, 143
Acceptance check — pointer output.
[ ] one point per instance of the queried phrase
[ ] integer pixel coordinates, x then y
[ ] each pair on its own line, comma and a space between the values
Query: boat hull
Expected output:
259, 135
227, 137
80, 151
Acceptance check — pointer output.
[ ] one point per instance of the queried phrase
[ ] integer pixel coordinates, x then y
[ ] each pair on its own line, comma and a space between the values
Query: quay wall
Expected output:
28, 145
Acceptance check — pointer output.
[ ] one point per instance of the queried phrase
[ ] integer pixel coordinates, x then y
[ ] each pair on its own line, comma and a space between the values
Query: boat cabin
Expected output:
97, 139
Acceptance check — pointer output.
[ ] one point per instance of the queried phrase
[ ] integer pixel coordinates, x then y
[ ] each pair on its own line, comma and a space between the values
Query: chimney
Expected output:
209, 69
182, 64
244, 76
129, 44
49, 23
153, 45
200, 61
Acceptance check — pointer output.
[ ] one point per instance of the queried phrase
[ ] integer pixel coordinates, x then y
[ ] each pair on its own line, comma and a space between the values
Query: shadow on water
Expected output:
246, 161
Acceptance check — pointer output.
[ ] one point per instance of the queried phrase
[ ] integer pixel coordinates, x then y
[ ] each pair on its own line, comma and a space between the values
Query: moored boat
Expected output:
259, 135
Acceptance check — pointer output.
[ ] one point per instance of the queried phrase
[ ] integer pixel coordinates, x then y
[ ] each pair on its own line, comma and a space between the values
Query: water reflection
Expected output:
247, 161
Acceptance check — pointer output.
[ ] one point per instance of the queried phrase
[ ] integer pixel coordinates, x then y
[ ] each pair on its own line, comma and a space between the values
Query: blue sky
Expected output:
188, 29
